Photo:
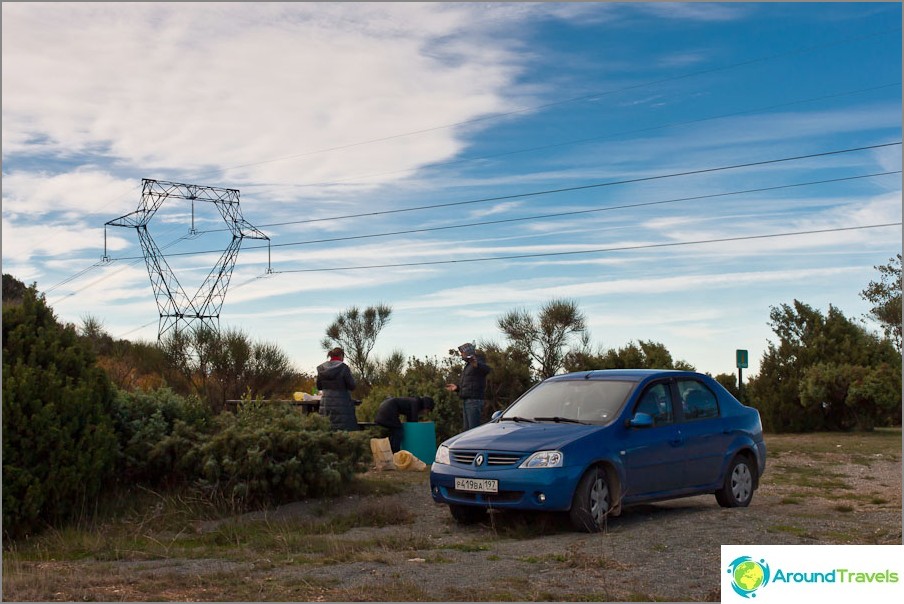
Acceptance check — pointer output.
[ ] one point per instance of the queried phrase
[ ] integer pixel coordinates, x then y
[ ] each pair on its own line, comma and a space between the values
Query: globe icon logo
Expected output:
748, 575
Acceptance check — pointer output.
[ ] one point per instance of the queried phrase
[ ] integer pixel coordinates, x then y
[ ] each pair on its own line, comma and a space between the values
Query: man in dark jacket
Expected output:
335, 382
412, 407
471, 386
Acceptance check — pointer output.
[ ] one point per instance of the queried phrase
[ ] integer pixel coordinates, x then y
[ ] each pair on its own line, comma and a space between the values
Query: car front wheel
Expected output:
737, 491
592, 502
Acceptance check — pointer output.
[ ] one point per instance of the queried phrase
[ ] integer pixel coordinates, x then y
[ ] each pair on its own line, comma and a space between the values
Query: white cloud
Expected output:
264, 88
25, 241
83, 191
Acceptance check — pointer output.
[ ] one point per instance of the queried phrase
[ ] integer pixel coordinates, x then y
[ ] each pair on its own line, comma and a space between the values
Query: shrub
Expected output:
159, 432
59, 447
269, 453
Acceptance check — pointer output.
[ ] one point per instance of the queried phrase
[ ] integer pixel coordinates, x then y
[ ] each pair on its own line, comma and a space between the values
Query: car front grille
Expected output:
492, 458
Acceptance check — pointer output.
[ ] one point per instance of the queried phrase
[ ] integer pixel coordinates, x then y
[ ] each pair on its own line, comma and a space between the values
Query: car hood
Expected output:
520, 437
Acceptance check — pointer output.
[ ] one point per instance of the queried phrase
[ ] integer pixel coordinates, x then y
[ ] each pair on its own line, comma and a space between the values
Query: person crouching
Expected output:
412, 407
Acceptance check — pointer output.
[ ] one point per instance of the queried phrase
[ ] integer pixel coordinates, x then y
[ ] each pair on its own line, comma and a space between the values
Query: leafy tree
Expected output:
546, 337
227, 365
510, 377
885, 296
805, 378
92, 330
852, 397
356, 332
646, 354
389, 369
59, 447
730, 382
13, 289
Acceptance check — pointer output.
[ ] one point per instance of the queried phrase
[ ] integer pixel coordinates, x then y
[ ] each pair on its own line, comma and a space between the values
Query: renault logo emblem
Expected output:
478, 461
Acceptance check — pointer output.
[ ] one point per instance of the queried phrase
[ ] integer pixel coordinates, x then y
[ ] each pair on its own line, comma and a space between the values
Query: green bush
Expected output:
270, 454
59, 447
159, 433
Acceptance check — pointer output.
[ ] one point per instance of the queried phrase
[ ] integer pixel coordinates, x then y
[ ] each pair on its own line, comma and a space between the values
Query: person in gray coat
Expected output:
335, 382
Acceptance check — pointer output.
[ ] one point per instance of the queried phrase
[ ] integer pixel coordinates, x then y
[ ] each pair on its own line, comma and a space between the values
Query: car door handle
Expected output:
676, 442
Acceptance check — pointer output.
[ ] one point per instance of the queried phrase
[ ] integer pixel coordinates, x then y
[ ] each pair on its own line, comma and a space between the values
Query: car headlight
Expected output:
442, 455
544, 459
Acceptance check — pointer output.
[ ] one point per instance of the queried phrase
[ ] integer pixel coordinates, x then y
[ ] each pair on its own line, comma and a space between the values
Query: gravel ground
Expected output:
669, 551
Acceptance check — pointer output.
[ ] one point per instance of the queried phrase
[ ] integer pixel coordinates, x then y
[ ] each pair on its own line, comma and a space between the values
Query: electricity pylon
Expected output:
177, 310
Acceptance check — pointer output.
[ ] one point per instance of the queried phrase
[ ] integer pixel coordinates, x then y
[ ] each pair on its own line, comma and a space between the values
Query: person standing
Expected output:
412, 407
471, 387
335, 382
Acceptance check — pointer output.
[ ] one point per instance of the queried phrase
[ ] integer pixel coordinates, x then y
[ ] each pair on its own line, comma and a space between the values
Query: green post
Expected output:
741, 362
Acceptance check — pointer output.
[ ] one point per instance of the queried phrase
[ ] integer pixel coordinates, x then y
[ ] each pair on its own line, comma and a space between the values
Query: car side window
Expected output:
698, 401
656, 403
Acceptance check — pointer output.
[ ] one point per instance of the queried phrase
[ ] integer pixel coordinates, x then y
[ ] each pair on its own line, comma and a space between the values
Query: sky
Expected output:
676, 169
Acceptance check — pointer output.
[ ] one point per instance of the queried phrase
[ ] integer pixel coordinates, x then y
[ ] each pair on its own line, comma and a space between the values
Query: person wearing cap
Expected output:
471, 387
335, 382
412, 407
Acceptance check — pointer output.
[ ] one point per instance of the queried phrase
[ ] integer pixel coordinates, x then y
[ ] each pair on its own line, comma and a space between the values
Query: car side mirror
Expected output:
641, 420
495, 415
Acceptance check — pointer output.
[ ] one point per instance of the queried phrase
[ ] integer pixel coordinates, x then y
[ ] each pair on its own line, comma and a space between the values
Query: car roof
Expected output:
633, 375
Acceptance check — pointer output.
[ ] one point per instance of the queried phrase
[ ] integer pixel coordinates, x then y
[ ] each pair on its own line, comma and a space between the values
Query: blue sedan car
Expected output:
593, 442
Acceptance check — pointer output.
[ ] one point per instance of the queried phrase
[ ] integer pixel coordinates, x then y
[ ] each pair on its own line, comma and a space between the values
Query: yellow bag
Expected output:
404, 460
382, 453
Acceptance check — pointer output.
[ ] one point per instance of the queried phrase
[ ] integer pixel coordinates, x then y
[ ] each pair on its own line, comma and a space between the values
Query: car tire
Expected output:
592, 502
467, 514
737, 491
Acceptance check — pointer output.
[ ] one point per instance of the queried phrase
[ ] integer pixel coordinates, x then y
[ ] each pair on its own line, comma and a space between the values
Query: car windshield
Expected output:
591, 401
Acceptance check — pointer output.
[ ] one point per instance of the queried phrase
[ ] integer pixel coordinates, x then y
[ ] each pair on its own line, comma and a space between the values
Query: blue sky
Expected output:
319, 111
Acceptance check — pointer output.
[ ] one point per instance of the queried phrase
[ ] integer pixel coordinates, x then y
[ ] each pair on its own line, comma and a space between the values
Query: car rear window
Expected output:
592, 401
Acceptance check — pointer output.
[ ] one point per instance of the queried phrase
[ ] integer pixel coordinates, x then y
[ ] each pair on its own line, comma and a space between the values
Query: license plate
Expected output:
477, 485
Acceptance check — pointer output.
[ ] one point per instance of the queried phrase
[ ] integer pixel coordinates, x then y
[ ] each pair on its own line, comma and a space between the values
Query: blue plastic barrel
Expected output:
419, 439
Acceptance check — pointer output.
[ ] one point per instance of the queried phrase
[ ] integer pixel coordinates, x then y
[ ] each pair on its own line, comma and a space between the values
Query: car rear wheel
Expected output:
467, 514
592, 502
738, 488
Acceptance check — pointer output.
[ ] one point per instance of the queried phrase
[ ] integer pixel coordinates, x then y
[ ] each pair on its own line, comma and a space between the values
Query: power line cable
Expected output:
132, 261
557, 214
553, 254
482, 200
591, 251
579, 188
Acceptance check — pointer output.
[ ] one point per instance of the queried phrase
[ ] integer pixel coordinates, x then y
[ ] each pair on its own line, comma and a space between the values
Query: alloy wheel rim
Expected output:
741, 482
599, 500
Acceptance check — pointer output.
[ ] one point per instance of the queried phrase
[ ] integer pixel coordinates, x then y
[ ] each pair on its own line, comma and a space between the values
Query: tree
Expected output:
356, 332
805, 380
13, 289
885, 296
544, 339
730, 382
227, 365
852, 397
645, 354
510, 376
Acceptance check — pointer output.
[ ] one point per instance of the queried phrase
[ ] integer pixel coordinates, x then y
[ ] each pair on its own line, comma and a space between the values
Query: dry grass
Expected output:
377, 544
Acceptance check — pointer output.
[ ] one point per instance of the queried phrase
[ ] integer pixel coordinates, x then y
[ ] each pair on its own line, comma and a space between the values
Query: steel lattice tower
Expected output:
177, 310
